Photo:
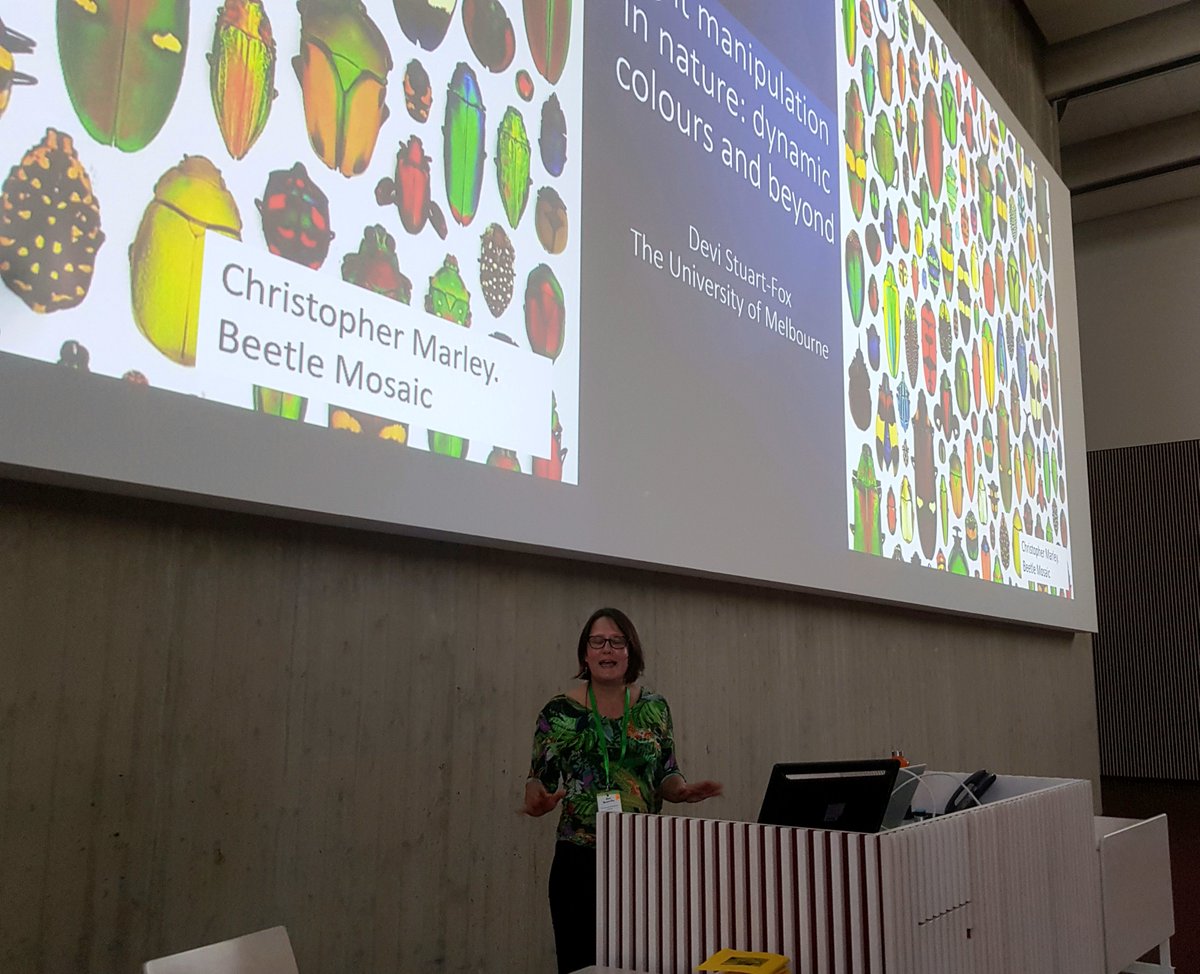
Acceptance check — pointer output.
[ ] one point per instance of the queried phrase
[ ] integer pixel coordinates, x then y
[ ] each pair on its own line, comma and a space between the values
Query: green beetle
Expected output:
122, 62
167, 255
512, 166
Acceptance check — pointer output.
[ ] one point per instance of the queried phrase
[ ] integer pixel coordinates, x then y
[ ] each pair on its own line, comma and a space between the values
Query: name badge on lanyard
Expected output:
609, 800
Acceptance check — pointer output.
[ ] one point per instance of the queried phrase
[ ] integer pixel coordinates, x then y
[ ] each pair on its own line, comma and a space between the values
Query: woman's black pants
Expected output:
573, 905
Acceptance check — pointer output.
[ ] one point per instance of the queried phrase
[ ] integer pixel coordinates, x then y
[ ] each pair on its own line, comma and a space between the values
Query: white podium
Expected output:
1012, 885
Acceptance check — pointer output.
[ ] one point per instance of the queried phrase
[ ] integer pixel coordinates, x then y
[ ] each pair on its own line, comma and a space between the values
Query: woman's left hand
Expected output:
675, 789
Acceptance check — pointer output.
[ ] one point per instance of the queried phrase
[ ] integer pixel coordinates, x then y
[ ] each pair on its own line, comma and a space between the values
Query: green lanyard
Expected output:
600, 733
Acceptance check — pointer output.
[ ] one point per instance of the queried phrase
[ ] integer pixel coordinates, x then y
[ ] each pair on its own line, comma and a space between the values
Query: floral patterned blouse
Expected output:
566, 749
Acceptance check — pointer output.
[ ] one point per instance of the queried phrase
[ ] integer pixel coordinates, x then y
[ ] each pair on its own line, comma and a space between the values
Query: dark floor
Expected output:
1141, 798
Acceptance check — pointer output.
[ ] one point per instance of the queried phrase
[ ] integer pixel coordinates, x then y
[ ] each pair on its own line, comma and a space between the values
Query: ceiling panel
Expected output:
1154, 99
1060, 20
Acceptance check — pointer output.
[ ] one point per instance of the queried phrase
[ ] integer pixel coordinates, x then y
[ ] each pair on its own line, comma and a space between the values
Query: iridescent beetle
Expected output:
490, 33
295, 217
552, 139
167, 255
504, 459
548, 29
242, 73
545, 312
512, 165
376, 267
410, 190
448, 296
49, 226
448, 445
463, 144
12, 42
868, 536
425, 22
122, 62
342, 67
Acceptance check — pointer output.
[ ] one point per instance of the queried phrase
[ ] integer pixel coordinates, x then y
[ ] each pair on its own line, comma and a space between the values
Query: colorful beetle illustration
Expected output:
73, 355
496, 261
943, 413
906, 510
285, 405
550, 220
380, 427
912, 344
122, 62
49, 227
929, 347
552, 140
342, 67
933, 142
242, 73
868, 535
167, 255
448, 296
295, 217
13, 42
854, 276
524, 84
849, 29
376, 267
859, 391
891, 319
512, 165
425, 22
887, 447
548, 28
883, 147
463, 144
504, 459
448, 445
409, 191
490, 33
552, 469
856, 150
925, 479
868, 78
545, 312
418, 92
957, 562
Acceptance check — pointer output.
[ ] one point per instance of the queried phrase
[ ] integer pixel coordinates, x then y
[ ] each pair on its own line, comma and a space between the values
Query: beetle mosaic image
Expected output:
384, 120
962, 217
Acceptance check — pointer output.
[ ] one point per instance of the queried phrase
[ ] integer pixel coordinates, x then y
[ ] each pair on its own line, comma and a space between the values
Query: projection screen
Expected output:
761, 291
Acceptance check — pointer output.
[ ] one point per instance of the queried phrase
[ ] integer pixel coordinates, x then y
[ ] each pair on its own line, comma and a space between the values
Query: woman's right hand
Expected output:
538, 801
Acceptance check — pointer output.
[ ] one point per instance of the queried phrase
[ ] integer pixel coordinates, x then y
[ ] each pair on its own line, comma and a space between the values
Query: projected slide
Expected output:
763, 291
326, 211
953, 399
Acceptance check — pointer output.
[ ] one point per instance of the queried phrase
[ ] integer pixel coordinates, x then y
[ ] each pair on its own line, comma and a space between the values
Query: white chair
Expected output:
265, 952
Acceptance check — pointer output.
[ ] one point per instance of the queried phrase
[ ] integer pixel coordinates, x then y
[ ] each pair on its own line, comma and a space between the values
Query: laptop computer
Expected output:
907, 781
847, 796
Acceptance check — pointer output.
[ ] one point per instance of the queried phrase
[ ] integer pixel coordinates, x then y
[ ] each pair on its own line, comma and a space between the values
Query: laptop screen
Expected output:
847, 796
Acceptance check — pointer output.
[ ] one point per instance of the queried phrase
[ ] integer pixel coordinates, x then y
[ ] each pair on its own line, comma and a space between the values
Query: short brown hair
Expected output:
637, 661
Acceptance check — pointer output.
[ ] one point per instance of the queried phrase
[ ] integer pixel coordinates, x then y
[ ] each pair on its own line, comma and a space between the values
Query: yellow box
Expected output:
745, 962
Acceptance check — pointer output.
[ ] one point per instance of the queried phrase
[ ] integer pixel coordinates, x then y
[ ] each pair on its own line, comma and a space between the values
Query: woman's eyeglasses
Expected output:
618, 643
